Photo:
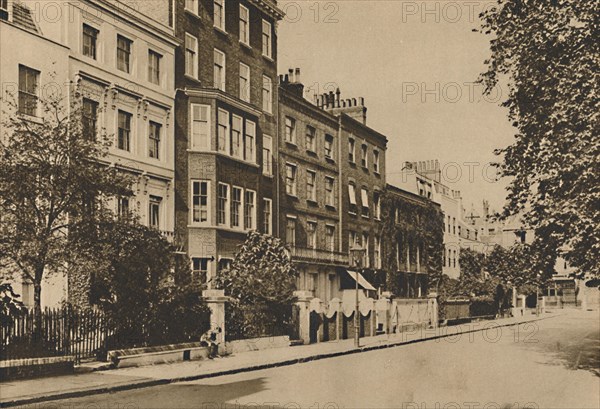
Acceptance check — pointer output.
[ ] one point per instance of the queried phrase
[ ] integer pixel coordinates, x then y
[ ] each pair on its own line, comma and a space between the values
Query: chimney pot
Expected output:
361, 101
353, 102
297, 79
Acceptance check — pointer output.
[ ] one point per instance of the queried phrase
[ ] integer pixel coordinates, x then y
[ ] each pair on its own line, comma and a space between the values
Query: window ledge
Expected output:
190, 77
377, 173
292, 196
266, 57
220, 30
329, 159
292, 144
351, 212
353, 164
30, 118
312, 202
364, 217
247, 46
312, 153
192, 12
330, 207
365, 168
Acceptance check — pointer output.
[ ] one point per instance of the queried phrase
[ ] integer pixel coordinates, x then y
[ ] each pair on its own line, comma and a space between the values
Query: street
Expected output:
553, 363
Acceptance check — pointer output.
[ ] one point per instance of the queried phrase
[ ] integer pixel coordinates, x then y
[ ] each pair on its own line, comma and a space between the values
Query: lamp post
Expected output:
357, 257
537, 295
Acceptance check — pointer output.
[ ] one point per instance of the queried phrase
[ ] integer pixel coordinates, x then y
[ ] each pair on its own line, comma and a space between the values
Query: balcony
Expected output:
167, 234
318, 256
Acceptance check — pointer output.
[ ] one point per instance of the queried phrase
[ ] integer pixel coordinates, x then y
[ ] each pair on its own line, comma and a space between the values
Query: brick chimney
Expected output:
291, 82
331, 102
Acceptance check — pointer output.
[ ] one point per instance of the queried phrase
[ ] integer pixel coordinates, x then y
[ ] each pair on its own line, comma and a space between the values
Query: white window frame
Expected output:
331, 150
294, 185
291, 242
33, 94
220, 82
377, 205
244, 82
152, 202
376, 157
193, 121
160, 139
365, 245
130, 139
311, 133
252, 215
193, 65
240, 225
267, 94
220, 24
311, 176
227, 208
377, 251
311, 234
267, 155
208, 202
330, 238
268, 220
200, 271
130, 56
330, 194
292, 128
240, 152
97, 35
191, 6
244, 25
364, 155
158, 57
267, 46
352, 194
250, 141
226, 148
364, 200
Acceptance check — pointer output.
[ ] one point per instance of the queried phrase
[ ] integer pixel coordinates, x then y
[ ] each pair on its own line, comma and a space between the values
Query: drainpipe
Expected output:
275, 166
340, 184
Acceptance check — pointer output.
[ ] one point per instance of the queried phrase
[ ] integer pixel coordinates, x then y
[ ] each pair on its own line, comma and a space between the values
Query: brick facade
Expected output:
215, 239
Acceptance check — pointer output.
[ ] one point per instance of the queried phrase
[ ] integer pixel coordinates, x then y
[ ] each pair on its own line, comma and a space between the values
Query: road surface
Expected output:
553, 363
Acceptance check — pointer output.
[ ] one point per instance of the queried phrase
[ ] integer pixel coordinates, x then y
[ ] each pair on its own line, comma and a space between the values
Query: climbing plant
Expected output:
419, 221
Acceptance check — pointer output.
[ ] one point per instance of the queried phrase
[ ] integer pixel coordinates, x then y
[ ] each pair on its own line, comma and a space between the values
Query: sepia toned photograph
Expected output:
348, 204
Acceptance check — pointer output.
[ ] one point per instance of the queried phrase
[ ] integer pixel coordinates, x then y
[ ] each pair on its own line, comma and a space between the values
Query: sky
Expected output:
415, 63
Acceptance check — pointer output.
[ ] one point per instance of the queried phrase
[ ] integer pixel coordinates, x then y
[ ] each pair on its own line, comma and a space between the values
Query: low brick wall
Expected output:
36, 367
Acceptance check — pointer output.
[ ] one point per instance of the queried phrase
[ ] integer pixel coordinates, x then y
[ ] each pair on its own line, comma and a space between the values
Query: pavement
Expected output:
24, 392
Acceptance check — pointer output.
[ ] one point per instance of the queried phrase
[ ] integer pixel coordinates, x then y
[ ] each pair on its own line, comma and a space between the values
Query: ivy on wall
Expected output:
419, 223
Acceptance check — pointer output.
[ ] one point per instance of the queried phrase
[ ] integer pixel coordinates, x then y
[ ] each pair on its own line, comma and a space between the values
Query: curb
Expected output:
288, 362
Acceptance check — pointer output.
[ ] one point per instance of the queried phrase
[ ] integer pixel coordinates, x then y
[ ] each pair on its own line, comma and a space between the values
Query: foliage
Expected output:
261, 282
420, 222
51, 180
473, 281
548, 54
9, 303
262, 272
522, 265
143, 287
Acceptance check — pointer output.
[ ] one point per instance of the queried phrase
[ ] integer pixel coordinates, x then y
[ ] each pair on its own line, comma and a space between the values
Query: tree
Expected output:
261, 281
143, 286
53, 177
523, 266
548, 54
262, 272
473, 281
